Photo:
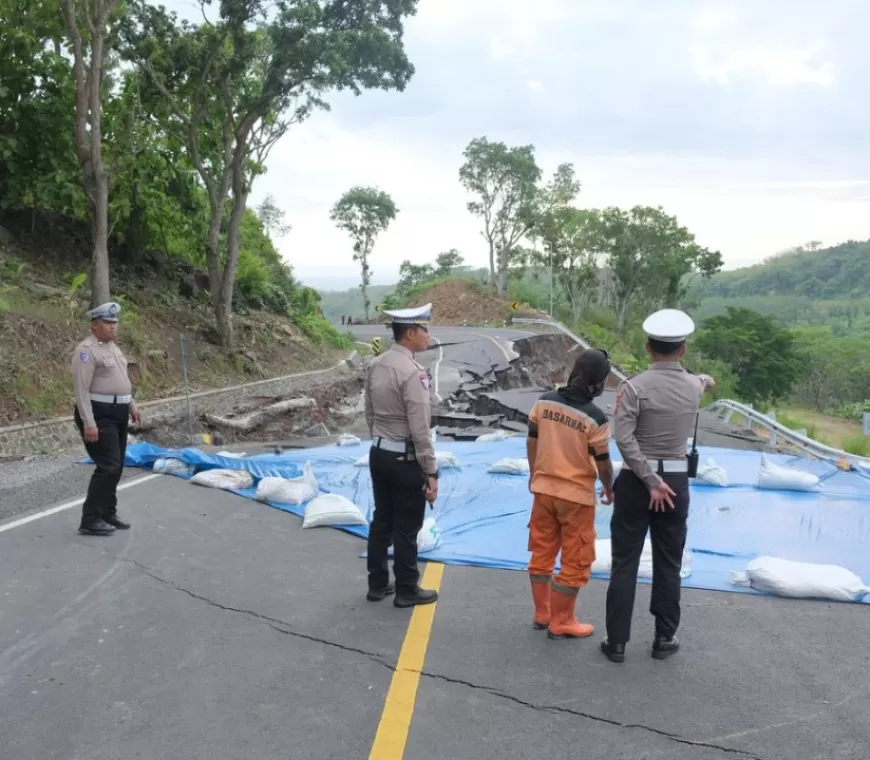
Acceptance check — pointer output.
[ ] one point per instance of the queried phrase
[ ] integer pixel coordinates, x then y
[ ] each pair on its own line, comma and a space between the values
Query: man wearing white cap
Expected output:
654, 416
402, 458
104, 405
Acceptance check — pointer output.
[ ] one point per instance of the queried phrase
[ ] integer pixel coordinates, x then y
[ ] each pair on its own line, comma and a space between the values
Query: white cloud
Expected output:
748, 121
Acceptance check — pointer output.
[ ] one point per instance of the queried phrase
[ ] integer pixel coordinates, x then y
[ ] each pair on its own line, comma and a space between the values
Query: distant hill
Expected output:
806, 286
338, 303
842, 271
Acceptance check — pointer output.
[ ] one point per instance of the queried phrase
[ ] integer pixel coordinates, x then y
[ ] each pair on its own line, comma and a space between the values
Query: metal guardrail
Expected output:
727, 408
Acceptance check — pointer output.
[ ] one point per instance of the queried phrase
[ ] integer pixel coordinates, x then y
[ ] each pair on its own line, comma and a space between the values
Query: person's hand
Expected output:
605, 496
136, 416
91, 434
431, 490
661, 496
709, 382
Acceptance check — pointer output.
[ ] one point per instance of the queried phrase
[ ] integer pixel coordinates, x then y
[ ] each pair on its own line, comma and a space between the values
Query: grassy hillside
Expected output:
43, 300
809, 286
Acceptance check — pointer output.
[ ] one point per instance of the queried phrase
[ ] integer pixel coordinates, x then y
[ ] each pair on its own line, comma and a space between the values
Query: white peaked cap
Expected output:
669, 326
419, 315
108, 312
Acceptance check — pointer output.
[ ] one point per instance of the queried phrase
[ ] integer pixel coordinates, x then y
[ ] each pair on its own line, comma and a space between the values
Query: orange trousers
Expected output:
558, 524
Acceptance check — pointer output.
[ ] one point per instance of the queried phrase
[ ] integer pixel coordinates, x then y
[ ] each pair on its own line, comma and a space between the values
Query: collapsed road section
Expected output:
502, 396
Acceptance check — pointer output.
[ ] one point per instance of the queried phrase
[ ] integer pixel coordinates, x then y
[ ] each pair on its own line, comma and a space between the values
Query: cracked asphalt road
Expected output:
217, 628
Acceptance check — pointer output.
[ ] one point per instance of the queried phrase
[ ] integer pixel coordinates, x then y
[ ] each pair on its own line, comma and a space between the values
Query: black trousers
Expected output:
628, 526
400, 506
108, 453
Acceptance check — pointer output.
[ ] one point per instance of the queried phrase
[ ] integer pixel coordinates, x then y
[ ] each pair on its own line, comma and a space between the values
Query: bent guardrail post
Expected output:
729, 408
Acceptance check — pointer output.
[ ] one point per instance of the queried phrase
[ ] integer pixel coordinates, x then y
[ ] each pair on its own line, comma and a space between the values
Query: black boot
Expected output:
96, 527
613, 652
665, 647
119, 524
412, 599
379, 594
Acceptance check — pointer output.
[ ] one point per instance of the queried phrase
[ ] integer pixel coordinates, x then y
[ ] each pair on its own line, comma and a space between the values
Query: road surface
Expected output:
217, 628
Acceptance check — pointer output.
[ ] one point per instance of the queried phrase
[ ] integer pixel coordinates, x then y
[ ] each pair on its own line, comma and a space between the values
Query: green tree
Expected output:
447, 261
763, 355
233, 87
504, 181
91, 28
413, 275
569, 238
649, 255
364, 212
272, 218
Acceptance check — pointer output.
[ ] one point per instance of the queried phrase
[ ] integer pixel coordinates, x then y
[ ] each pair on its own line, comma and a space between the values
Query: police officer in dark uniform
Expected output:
104, 406
654, 417
402, 458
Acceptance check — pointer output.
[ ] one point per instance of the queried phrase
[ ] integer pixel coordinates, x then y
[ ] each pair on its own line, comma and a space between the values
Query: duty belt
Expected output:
399, 447
661, 466
104, 399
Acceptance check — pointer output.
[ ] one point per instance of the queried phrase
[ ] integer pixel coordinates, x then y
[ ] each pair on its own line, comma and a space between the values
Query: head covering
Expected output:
107, 312
418, 315
669, 326
591, 368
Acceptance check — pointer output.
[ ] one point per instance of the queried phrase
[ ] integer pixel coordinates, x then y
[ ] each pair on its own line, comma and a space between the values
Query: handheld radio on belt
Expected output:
692, 456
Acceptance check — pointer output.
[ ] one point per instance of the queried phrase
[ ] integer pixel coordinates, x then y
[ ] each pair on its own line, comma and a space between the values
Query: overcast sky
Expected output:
748, 120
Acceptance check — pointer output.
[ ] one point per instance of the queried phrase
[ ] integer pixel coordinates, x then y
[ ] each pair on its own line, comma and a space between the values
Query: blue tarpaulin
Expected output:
483, 517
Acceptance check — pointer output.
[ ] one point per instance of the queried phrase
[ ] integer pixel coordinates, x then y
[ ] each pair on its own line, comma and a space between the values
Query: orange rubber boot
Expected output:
563, 624
541, 597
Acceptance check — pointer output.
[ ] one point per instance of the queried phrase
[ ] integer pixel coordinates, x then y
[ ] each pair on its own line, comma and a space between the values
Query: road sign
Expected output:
376, 346
377, 307
866, 423
514, 305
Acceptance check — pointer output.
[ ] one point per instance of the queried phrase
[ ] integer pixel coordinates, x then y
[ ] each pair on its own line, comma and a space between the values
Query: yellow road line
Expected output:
392, 734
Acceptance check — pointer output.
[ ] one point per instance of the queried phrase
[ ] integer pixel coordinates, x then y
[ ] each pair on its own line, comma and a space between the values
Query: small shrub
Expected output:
859, 445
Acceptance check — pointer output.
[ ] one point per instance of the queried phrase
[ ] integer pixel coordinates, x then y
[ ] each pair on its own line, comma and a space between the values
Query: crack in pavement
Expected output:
272, 622
281, 626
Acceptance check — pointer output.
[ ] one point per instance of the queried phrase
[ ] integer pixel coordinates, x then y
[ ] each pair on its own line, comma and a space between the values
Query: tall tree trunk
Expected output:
224, 305
89, 143
492, 278
622, 314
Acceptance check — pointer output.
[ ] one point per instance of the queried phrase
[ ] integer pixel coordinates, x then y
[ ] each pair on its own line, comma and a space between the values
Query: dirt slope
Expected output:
42, 320
458, 302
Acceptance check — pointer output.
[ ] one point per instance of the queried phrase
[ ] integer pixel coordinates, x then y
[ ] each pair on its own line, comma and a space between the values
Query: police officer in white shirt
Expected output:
103, 408
655, 413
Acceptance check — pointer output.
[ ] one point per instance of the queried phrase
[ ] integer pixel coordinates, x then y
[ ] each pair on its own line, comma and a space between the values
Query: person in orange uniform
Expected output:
568, 448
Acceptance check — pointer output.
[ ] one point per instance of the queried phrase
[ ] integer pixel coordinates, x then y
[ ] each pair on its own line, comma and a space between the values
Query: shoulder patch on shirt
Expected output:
424, 380
84, 356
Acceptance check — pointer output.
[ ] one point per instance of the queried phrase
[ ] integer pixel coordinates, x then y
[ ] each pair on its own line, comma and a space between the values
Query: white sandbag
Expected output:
788, 578
429, 537
232, 454
617, 468
295, 491
508, 466
172, 466
498, 435
446, 460
363, 461
604, 561
228, 480
346, 439
712, 473
777, 478
331, 509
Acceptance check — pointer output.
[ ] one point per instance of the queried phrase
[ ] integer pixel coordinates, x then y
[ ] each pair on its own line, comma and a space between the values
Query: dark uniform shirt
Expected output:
654, 417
